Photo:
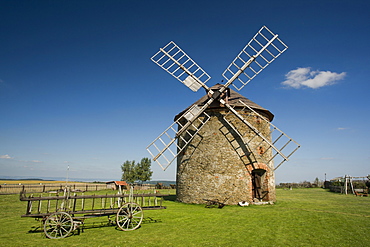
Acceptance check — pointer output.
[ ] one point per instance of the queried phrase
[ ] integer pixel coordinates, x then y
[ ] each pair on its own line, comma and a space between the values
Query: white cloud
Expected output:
6, 156
305, 77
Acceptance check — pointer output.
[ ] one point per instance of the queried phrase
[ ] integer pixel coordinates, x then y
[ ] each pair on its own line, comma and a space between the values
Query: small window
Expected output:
260, 150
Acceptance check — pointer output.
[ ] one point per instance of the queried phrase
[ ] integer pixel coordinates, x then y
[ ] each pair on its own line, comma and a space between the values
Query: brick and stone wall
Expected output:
218, 163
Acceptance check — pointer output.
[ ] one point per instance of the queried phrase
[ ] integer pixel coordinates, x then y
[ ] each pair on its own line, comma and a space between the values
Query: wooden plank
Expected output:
86, 197
95, 213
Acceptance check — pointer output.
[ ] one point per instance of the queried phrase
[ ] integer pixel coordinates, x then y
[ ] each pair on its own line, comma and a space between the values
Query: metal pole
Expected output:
67, 176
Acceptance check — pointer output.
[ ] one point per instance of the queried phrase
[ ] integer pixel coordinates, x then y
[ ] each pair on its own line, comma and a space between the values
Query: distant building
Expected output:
115, 185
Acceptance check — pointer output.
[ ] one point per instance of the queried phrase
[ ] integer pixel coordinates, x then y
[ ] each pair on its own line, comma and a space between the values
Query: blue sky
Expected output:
78, 89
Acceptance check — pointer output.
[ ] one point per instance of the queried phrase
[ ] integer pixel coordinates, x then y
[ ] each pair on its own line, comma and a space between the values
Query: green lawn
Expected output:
301, 217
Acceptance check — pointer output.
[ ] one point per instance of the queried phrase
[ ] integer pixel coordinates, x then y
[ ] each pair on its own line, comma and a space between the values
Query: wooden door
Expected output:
257, 183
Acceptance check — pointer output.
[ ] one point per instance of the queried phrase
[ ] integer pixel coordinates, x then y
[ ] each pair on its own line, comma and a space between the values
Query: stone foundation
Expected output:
221, 165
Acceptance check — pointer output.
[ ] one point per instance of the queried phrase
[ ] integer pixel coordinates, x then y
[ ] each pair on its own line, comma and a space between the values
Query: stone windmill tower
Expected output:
224, 143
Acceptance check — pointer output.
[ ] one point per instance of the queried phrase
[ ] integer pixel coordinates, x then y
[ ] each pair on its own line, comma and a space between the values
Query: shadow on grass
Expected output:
146, 220
149, 220
170, 198
36, 229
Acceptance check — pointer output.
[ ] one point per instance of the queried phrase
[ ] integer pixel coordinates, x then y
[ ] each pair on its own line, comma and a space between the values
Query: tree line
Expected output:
136, 172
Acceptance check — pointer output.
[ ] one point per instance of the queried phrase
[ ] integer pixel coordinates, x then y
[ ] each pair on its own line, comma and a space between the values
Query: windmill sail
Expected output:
261, 50
165, 148
281, 144
178, 64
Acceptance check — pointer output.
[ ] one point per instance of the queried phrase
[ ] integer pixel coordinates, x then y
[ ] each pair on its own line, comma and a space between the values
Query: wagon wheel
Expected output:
58, 225
129, 216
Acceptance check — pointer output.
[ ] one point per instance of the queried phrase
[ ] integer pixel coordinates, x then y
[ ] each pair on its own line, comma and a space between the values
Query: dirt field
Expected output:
34, 182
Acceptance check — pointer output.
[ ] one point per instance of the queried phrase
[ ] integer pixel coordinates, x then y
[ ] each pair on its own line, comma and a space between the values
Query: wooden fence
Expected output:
40, 188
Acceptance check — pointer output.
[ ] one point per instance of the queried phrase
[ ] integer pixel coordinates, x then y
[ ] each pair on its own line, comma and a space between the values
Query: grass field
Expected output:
301, 217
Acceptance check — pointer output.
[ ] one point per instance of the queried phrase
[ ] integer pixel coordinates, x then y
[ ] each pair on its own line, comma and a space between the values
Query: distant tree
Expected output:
143, 172
317, 182
368, 183
132, 171
128, 171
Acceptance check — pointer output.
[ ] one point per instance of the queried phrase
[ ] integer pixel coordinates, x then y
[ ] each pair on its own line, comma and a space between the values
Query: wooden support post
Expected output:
29, 207
93, 202
74, 203
39, 207
82, 203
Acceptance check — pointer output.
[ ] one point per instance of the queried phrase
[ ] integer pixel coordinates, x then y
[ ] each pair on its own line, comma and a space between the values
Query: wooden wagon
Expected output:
65, 213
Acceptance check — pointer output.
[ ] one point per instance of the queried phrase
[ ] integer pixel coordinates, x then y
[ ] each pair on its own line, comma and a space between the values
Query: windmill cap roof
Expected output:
233, 100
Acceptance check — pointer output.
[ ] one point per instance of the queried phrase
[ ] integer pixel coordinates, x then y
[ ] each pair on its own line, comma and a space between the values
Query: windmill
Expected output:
240, 167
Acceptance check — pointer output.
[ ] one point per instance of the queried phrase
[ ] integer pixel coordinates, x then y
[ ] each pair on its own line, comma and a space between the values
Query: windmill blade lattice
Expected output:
177, 63
281, 144
165, 148
261, 50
